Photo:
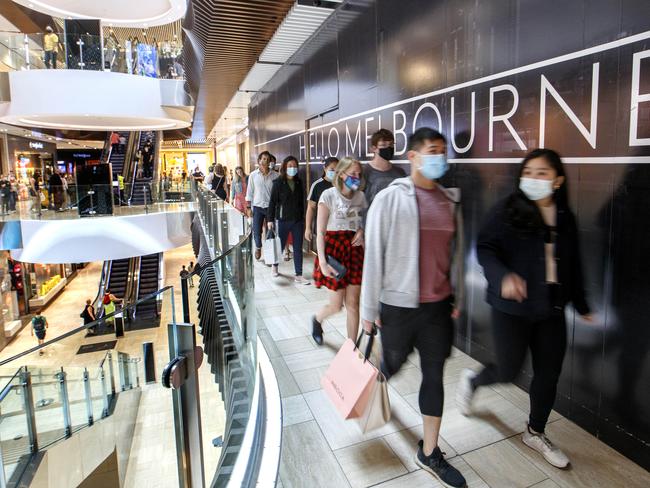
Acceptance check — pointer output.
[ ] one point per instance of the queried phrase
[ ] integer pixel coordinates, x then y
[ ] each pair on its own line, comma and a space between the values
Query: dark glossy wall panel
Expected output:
402, 65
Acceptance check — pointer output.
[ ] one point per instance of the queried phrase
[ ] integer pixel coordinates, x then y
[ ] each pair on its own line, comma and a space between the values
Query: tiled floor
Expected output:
319, 449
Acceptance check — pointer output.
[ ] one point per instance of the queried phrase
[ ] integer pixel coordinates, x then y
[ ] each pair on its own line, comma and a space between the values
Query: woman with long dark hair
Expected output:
529, 251
219, 183
287, 207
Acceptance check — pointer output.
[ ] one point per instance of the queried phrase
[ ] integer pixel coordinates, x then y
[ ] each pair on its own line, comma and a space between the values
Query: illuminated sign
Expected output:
36, 145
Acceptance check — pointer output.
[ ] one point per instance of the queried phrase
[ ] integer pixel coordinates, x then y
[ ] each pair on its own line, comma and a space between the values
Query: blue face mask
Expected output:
292, 171
433, 166
330, 174
352, 182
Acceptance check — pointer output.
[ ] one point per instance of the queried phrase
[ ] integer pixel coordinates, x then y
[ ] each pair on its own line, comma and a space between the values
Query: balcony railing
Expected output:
90, 52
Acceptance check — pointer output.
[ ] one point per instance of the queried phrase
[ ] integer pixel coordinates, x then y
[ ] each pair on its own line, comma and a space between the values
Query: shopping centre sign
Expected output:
593, 102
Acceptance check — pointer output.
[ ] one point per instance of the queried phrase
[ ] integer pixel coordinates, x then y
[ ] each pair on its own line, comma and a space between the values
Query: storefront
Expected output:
45, 281
175, 162
29, 157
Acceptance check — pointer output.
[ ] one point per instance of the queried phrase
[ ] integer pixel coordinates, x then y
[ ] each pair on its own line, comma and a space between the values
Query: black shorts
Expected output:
428, 328
40, 334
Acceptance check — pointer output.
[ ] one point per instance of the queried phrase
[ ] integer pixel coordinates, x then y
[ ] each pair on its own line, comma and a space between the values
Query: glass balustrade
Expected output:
78, 201
42, 402
90, 52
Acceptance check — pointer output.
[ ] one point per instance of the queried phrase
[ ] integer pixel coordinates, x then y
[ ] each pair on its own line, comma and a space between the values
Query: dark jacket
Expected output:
503, 248
286, 205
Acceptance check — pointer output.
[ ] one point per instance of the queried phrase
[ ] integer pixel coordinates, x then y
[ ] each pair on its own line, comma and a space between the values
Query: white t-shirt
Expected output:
345, 213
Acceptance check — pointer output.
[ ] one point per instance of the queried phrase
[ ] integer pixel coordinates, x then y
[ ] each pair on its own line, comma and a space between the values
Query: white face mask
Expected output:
536, 189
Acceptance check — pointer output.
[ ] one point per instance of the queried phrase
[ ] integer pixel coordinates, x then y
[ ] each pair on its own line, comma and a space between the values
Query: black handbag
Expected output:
337, 266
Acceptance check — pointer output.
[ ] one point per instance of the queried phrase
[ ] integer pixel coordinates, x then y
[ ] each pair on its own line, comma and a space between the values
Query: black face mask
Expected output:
387, 153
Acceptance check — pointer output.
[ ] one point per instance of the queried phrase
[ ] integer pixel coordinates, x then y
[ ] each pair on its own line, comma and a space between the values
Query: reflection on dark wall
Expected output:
488, 74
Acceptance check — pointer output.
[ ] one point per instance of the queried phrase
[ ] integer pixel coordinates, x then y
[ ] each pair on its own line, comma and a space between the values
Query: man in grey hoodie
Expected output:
413, 237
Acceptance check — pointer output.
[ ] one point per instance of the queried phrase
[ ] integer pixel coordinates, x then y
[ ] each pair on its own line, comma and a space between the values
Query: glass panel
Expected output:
77, 397
97, 393
14, 436
48, 405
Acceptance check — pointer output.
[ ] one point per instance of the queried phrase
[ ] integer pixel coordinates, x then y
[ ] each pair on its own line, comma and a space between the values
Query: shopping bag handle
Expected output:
370, 342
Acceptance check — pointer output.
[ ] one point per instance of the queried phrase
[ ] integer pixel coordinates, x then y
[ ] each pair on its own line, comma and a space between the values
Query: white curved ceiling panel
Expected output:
102, 238
93, 100
119, 13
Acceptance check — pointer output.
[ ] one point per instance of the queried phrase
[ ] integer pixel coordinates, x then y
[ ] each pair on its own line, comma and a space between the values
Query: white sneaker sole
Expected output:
432, 472
556, 465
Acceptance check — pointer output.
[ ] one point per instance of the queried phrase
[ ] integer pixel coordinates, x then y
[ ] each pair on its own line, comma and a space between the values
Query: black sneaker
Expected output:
438, 466
317, 331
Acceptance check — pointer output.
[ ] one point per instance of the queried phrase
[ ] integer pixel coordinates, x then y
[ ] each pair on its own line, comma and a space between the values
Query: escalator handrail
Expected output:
129, 155
134, 171
95, 323
103, 285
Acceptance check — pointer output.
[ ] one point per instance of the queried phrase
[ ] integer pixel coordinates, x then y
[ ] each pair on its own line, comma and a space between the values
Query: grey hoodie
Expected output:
392, 250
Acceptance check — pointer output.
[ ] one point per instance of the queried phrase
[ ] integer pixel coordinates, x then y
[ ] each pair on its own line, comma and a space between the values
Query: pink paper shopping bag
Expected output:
349, 381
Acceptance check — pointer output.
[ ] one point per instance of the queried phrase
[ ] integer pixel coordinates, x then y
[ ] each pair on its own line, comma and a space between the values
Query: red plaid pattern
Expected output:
338, 244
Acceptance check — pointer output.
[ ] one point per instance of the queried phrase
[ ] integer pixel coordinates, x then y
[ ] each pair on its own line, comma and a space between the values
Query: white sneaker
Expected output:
275, 272
301, 280
465, 392
542, 444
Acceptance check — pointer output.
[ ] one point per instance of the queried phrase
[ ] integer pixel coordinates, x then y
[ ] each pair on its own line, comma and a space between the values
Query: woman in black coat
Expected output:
529, 251
287, 206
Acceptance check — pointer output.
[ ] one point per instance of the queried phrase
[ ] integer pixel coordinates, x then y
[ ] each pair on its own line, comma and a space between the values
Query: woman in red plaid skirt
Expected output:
340, 236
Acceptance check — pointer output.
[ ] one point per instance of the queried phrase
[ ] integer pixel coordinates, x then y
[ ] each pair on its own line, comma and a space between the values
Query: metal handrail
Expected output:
8, 387
88, 326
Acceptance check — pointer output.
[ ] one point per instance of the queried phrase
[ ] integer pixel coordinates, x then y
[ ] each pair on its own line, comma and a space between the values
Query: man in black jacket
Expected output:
287, 206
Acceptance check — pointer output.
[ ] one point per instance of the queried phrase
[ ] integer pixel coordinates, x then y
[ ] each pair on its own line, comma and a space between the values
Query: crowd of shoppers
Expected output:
390, 249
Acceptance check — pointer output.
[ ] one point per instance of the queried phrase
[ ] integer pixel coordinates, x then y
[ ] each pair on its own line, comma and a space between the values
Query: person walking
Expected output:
190, 277
13, 194
5, 192
238, 189
529, 251
258, 195
413, 283
317, 188
184, 274
50, 47
219, 184
380, 172
35, 192
339, 239
88, 315
39, 327
287, 206
56, 191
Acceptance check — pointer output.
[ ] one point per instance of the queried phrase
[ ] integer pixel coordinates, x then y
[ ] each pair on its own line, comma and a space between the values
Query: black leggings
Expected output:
428, 328
546, 339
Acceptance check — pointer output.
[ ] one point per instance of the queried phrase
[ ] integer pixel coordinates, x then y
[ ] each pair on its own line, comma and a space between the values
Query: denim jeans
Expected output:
259, 216
297, 230
50, 59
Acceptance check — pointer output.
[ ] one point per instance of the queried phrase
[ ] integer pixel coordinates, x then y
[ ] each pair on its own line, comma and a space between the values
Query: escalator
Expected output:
131, 279
118, 277
148, 282
117, 158
141, 189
